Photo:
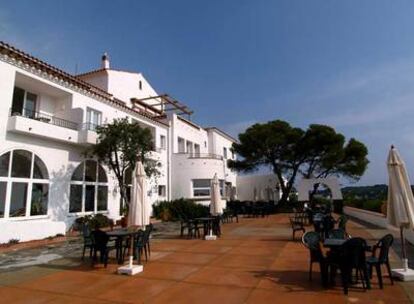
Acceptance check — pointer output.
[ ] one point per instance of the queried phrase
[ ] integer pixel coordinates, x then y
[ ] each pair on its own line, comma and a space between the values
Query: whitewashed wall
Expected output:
61, 158
247, 183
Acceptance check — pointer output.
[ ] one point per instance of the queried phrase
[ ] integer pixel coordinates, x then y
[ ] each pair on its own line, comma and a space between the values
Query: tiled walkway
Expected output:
254, 262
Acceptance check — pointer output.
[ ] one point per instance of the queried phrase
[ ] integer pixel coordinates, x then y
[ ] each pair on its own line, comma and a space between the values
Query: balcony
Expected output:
87, 134
51, 127
202, 155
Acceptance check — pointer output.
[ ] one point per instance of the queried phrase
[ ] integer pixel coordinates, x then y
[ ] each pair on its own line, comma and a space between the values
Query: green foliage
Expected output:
179, 209
365, 204
13, 241
120, 145
316, 152
375, 192
327, 153
96, 221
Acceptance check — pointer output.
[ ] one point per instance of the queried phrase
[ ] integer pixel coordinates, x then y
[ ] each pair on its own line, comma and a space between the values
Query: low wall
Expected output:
375, 218
28, 230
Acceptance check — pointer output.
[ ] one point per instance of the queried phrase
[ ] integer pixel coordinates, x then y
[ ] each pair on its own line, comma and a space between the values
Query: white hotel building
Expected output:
47, 120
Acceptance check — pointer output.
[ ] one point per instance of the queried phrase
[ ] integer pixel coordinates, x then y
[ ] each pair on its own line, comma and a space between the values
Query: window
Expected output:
163, 142
201, 187
140, 85
205, 144
189, 147
162, 190
196, 149
181, 145
89, 188
24, 184
3, 189
225, 152
93, 119
24, 103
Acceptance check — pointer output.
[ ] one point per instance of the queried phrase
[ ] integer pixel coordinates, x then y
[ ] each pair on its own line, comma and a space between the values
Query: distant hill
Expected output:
375, 192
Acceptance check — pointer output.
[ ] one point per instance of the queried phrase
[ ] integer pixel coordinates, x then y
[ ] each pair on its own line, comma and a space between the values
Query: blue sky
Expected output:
349, 64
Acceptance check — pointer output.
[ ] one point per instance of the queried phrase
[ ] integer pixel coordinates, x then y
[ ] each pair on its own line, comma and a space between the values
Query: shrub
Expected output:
13, 241
179, 209
93, 221
365, 204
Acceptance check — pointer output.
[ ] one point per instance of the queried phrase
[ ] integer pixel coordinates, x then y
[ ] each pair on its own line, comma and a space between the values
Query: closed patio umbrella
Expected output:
138, 212
216, 207
139, 209
255, 194
400, 207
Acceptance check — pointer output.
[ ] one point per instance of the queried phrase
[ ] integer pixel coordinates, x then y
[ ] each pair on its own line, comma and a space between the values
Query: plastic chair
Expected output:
87, 241
350, 256
296, 226
311, 240
337, 234
101, 239
383, 245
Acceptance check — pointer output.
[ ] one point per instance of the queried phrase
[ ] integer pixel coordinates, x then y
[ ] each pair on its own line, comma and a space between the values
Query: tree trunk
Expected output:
312, 194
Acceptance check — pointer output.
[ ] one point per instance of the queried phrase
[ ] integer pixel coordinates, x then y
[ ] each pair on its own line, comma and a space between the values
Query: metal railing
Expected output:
46, 118
89, 126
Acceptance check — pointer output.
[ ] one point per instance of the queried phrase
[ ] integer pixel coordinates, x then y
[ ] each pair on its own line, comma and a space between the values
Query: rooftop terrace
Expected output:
255, 261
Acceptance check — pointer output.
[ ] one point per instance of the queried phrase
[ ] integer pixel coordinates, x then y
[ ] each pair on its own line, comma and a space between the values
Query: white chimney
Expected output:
105, 61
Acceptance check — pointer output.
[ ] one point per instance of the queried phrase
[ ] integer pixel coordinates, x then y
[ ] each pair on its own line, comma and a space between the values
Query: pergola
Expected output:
165, 103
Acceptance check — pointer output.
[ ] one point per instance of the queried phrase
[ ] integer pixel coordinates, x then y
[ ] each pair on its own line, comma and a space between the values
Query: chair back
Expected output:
384, 245
139, 238
147, 232
337, 234
312, 240
86, 231
352, 253
100, 239
342, 222
328, 223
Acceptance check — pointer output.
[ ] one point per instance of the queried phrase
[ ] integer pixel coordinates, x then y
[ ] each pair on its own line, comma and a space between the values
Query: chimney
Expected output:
105, 61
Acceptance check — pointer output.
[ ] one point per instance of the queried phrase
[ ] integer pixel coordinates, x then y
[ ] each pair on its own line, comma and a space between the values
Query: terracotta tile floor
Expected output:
254, 262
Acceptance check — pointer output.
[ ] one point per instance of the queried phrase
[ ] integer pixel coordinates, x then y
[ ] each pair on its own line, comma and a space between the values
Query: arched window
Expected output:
89, 188
24, 185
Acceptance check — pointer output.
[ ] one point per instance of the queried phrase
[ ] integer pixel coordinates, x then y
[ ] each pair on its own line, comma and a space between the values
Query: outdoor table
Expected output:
207, 223
120, 235
333, 243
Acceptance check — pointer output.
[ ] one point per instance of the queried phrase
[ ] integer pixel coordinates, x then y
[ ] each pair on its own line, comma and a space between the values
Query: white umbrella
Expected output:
138, 212
216, 207
139, 208
400, 207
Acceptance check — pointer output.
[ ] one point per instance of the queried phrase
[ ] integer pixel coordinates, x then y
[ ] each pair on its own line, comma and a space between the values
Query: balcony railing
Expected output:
89, 126
204, 155
46, 118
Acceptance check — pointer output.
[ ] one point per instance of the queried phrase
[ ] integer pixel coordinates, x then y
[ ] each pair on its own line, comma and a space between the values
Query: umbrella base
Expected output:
130, 270
210, 237
403, 275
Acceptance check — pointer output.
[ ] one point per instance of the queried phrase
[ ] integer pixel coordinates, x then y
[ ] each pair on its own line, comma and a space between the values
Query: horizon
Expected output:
349, 64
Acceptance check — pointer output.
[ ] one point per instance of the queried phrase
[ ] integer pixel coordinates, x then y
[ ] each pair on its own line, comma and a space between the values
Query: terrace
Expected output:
255, 261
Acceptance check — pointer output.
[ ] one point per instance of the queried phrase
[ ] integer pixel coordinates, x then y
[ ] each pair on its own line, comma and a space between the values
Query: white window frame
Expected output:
224, 152
96, 184
163, 142
29, 181
164, 192
36, 107
189, 147
180, 139
89, 118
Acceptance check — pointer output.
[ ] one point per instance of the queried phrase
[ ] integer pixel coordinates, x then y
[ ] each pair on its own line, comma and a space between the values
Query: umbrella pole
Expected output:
403, 249
131, 251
